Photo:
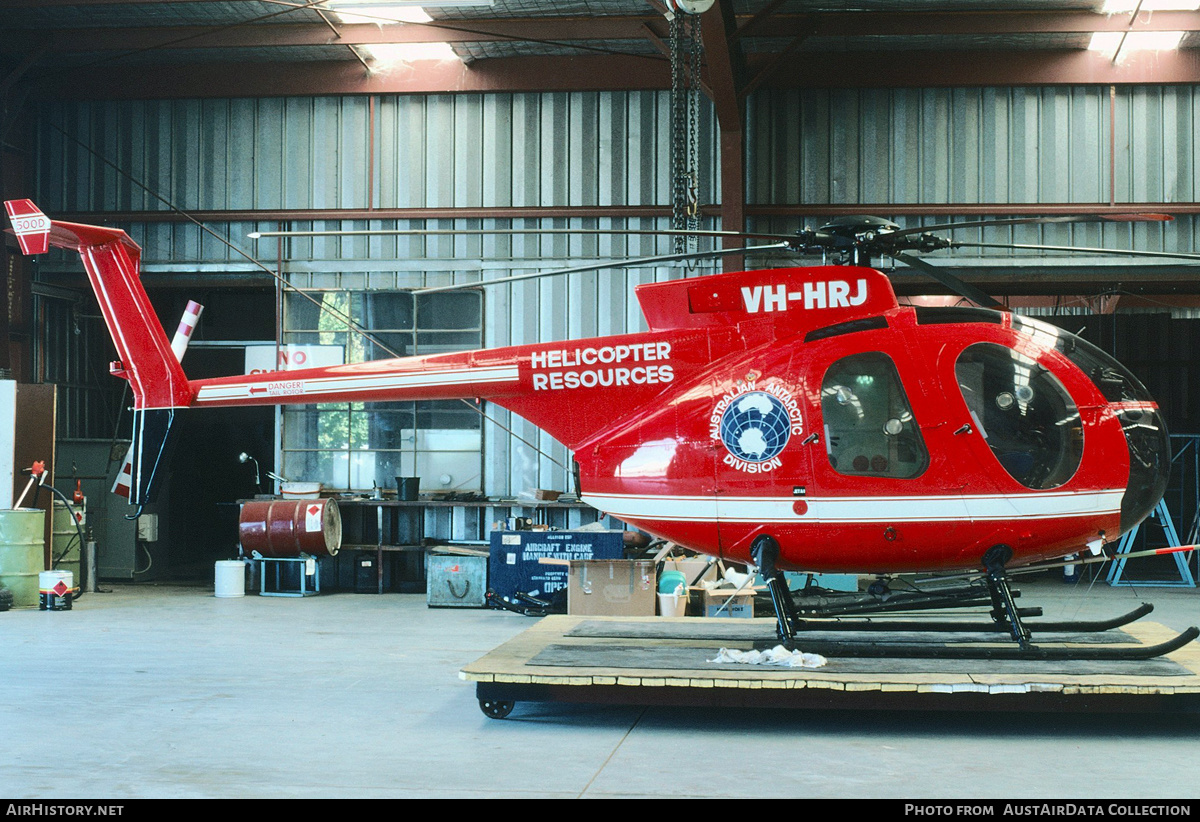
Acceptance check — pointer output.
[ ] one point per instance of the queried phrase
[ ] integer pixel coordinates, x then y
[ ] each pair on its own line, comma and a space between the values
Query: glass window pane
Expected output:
440, 342
375, 427
385, 310
385, 345
327, 467
1026, 415
448, 414
360, 445
869, 426
451, 310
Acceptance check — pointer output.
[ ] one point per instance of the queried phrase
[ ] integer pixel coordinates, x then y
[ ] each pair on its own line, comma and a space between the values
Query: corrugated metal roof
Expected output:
53, 37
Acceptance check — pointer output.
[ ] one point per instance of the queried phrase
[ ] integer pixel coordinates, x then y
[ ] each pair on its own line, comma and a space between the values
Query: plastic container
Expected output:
408, 488
671, 581
673, 605
301, 490
229, 578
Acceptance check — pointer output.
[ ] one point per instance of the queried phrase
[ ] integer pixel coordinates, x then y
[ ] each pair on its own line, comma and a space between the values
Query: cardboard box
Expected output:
611, 587
726, 602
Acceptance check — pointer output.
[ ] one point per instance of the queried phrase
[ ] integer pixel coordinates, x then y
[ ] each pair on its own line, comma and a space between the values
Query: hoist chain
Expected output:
686, 58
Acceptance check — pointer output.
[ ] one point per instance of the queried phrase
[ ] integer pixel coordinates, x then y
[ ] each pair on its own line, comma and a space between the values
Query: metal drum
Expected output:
289, 528
22, 549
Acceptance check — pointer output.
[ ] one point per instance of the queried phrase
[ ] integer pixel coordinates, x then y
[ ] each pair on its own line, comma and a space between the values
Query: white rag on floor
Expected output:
778, 655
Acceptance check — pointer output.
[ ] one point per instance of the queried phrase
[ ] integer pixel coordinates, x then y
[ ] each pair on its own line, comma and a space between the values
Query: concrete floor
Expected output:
168, 691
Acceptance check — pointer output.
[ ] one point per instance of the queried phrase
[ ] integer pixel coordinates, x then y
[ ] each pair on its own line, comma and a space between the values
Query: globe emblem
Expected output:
755, 427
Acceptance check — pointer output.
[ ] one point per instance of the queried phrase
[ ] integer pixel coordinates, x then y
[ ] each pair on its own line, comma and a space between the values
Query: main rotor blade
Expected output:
1133, 217
396, 232
1178, 255
667, 258
950, 281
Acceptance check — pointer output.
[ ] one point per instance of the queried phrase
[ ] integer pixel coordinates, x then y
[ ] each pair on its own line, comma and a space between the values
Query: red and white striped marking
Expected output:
856, 510
282, 386
183, 334
125, 476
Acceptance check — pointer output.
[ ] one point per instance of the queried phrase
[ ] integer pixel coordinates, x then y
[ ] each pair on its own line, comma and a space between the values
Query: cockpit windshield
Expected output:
1143, 424
1116, 382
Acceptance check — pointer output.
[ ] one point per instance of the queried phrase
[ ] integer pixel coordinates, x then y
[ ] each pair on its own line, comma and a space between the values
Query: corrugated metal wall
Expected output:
443, 151
936, 146
931, 146
983, 146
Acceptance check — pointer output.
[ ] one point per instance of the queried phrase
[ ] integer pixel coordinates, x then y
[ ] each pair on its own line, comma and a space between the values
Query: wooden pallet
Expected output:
655, 660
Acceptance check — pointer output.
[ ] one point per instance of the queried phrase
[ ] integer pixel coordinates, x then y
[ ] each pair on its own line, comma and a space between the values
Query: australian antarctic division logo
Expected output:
755, 425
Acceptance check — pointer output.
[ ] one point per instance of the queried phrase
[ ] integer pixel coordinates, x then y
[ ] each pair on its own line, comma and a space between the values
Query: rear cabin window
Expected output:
869, 425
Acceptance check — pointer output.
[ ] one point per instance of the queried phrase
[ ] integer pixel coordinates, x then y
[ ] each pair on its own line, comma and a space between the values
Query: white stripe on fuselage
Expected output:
948, 508
283, 384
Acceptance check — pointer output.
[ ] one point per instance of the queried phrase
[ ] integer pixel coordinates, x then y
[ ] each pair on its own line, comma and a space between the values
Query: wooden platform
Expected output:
655, 660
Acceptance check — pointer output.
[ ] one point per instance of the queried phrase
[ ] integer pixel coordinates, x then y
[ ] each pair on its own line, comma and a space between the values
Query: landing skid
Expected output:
811, 643
1078, 626
796, 629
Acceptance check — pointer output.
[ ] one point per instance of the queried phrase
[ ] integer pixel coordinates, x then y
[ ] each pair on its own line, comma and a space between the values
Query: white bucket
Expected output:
301, 490
672, 605
230, 578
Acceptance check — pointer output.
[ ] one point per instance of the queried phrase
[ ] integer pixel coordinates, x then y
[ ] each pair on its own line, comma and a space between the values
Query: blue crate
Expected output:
513, 562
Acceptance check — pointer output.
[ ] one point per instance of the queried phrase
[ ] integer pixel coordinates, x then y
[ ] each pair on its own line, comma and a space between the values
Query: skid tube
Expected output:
1077, 626
1005, 618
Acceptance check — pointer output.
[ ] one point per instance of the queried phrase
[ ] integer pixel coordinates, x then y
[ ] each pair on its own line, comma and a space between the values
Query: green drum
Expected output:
22, 545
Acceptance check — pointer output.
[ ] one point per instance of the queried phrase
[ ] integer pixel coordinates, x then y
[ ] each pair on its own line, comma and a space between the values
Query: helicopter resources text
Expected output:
607, 366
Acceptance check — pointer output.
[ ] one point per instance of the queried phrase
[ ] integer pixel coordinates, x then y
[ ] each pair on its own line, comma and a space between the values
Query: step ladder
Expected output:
1117, 569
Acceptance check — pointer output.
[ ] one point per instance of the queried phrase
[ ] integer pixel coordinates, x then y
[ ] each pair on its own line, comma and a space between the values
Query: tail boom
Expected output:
435, 377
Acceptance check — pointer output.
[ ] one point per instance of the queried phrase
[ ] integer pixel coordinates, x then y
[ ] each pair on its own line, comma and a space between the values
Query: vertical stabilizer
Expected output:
145, 357
31, 226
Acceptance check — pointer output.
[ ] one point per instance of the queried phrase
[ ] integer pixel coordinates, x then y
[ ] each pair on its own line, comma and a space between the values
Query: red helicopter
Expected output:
790, 418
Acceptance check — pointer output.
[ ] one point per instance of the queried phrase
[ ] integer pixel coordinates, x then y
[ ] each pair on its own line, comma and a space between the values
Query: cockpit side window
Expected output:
1026, 415
869, 425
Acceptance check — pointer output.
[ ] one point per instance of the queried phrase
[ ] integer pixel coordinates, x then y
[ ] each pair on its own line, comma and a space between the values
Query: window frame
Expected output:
369, 440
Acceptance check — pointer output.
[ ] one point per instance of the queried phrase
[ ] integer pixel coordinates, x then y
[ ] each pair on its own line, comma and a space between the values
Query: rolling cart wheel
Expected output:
496, 708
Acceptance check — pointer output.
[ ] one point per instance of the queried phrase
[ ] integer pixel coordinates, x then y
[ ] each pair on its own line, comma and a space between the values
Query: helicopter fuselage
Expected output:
806, 404
801, 403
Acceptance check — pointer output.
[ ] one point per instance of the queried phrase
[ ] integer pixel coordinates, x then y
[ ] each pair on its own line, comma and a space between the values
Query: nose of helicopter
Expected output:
1149, 460
1140, 418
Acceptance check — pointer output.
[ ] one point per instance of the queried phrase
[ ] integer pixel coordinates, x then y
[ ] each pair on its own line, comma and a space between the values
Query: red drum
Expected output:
289, 528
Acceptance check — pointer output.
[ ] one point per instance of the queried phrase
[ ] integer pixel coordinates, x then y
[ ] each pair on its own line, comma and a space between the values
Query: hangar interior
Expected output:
289, 165
192, 125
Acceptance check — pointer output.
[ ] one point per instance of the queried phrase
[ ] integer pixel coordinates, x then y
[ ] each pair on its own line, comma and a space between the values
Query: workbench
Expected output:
399, 527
